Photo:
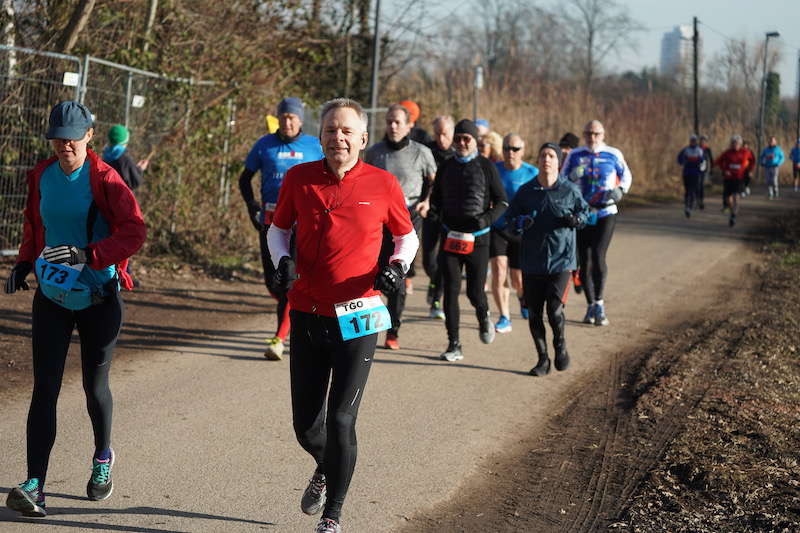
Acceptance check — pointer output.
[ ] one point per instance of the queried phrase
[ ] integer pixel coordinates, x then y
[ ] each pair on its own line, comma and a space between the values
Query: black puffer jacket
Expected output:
468, 196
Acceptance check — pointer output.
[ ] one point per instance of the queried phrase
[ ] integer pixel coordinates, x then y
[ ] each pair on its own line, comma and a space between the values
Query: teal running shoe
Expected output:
28, 499
100, 485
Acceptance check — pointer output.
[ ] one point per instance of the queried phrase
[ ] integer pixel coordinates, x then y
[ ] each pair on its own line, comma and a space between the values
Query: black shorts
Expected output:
499, 245
796, 172
730, 187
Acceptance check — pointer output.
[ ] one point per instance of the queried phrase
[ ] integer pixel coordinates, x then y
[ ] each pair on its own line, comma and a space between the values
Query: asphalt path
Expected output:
203, 433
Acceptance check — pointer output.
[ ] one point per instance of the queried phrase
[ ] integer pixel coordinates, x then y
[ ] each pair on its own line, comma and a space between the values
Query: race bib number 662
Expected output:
362, 316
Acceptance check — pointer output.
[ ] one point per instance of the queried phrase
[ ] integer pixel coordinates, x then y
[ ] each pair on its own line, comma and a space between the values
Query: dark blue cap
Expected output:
69, 120
291, 105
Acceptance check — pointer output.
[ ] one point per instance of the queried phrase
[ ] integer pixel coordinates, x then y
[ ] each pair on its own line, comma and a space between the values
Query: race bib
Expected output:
57, 275
268, 211
362, 316
459, 243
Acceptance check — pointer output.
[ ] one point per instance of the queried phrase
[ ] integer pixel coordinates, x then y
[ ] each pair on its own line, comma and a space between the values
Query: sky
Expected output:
749, 19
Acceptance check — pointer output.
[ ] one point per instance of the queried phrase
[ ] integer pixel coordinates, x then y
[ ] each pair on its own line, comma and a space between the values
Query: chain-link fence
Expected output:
30, 82
155, 108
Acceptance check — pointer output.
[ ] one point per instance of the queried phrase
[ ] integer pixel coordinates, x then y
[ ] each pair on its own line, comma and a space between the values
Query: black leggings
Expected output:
475, 264
98, 328
317, 352
593, 244
691, 194
431, 232
269, 274
550, 291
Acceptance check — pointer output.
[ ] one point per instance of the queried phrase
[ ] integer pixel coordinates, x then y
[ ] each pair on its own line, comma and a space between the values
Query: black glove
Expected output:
285, 275
254, 211
71, 255
616, 195
433, 215
568, 221
16, 280
390, 278
521, 223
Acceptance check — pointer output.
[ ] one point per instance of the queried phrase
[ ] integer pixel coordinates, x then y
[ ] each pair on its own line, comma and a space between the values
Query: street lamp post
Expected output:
763, 100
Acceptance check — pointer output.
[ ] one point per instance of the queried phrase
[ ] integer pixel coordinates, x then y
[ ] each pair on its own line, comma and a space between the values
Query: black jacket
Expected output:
468, 196
131, 174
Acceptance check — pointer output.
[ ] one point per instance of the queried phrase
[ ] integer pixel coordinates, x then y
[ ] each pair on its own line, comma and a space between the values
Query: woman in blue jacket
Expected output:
546, 211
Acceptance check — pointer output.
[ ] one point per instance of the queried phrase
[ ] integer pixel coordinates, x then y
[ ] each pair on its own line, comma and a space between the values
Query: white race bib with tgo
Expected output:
362, 316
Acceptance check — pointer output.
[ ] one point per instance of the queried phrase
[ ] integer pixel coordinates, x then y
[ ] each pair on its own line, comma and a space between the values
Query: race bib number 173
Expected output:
362, 316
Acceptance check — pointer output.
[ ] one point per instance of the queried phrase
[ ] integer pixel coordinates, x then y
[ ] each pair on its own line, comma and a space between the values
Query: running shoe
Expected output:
747, 191
100, 485
542, 368
391, 342
562, 358
687, 212
524, 312
274, 351
732, 221
576, 281
701, 206
328, 525
314, 496
503, 325
588, 318
436, 310
600, 318
27, 498
486, 329
453, 352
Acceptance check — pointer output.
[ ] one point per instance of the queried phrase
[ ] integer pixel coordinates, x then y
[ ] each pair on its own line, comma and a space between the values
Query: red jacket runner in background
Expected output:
735, 163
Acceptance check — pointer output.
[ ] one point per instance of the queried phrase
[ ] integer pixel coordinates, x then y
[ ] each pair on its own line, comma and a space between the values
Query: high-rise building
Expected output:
676, 54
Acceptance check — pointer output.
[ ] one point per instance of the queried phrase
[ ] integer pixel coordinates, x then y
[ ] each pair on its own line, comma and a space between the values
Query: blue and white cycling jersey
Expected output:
597, 174
273, 158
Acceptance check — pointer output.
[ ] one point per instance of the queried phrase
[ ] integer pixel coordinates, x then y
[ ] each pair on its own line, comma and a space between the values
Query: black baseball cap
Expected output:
69, 120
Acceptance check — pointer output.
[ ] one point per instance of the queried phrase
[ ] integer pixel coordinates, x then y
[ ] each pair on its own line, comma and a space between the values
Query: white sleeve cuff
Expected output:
405, 249
278, 243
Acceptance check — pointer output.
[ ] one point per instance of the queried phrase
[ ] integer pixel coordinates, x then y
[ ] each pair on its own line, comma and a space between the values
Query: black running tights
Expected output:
593, 244
475, 264
546, 291
98, 328
319, 356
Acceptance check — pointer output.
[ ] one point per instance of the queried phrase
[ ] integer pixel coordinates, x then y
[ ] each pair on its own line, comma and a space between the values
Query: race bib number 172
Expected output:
362, 316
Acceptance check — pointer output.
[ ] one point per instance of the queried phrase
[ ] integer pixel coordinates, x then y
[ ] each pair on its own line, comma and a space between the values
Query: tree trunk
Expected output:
8, 37
151, 19
76, 24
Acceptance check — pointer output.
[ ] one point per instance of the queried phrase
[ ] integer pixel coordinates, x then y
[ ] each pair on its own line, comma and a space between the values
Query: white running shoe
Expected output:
274, 351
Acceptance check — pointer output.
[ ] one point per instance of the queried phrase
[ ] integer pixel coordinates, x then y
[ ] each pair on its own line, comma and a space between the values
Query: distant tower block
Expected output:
676, 54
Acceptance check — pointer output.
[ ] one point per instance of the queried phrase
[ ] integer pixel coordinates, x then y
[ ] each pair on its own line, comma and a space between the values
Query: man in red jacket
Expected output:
338, 207
734, 162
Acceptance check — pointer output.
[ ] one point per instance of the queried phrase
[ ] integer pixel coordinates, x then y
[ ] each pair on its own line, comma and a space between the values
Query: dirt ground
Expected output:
156, 315
699, 433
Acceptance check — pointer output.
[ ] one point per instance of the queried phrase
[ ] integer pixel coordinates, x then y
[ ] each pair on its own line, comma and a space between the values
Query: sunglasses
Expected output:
462, 139
593, 132
512, 148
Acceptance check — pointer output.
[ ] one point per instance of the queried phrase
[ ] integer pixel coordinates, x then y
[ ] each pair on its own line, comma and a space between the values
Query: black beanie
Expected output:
468, 127
569, 140
555, 148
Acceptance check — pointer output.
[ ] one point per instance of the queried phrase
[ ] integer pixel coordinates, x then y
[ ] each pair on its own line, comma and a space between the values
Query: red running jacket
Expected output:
735, 163
116, 203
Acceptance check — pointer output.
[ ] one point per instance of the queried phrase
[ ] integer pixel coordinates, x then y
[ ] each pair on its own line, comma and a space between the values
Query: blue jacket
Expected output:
547, 247
772, 156
597, 174
795, 155
273, 158
693, 160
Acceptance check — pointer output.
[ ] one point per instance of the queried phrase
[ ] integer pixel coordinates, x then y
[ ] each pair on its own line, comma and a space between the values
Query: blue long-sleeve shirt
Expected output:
772, 156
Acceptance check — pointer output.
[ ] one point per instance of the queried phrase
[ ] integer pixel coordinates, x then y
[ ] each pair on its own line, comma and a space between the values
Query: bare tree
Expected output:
598, 27
75, 26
